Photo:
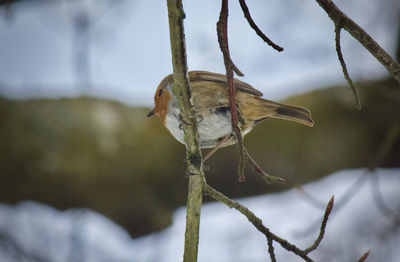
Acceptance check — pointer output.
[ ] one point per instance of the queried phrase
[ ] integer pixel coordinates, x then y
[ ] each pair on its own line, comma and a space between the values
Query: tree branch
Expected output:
338, 17
267, 178
183, 92
271, 249
253, 25
222, 32
364, 256
328, 211
257, 223
338, 28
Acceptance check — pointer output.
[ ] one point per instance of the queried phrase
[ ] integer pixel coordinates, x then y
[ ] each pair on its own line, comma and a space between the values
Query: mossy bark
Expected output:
193, 153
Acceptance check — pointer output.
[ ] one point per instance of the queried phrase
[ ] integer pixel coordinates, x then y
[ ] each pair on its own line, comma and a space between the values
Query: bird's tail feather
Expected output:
293, 113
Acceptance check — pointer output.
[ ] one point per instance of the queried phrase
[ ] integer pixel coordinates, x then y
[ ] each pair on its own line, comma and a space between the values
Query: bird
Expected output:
211, 102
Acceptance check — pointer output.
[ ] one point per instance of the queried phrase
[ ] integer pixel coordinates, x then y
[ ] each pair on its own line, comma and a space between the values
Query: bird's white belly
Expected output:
211, 127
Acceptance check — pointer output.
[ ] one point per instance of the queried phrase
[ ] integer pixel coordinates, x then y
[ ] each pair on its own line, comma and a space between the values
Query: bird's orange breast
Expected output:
161, 104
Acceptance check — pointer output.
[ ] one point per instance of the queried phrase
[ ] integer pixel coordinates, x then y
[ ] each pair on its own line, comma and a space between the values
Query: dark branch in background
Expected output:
387, 144
338, 17
338, 28
222, 33
22, 254
383, 150
253, 25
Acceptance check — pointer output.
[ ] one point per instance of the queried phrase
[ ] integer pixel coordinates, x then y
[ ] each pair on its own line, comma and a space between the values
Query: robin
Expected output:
211, 102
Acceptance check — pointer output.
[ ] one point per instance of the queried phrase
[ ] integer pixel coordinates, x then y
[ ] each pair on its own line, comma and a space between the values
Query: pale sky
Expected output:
129, 46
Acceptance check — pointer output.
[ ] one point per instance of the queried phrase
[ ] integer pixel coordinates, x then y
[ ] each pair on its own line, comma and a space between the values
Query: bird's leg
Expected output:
215, 148
200, 118
181, 121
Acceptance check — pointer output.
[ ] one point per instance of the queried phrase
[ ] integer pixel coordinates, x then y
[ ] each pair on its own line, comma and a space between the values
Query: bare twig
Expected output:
253, 25
271, 249
364, 256
216, 147
267, 178
328, 210
338, 17
222, 28
338, 28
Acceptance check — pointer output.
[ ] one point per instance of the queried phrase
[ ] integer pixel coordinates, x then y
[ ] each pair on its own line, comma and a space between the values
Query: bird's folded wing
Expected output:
214, 77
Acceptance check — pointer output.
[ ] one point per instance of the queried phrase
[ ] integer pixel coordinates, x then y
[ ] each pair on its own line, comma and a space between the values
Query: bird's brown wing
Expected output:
196, 76
212, 97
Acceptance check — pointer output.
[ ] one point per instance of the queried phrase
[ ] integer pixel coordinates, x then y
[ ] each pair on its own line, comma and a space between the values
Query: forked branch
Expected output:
257, 223
338, 17
222, 33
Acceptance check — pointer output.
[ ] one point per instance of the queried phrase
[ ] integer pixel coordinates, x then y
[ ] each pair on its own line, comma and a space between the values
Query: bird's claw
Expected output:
182, 121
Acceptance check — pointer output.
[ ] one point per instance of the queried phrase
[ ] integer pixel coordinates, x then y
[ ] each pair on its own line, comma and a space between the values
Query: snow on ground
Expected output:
357, 223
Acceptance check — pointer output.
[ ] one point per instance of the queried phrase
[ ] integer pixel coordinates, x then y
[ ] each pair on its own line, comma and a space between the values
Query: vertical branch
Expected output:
222, 32
193, 153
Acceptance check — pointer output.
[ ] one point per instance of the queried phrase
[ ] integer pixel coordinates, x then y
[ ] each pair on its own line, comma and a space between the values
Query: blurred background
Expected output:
77, 78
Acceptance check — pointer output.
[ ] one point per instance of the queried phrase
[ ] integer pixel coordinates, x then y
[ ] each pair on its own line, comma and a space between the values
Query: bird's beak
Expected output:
150, 113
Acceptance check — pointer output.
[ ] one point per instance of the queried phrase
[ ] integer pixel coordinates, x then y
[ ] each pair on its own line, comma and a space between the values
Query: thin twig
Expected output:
328, 210
364, 256
222, 35
271, 249
253, 25
338, 28
216, 147
267, 178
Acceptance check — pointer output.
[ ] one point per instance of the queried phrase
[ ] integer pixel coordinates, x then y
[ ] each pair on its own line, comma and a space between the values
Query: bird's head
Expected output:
161, 98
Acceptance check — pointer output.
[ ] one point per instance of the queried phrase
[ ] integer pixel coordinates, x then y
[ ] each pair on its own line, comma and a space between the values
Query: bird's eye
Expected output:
160, 92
